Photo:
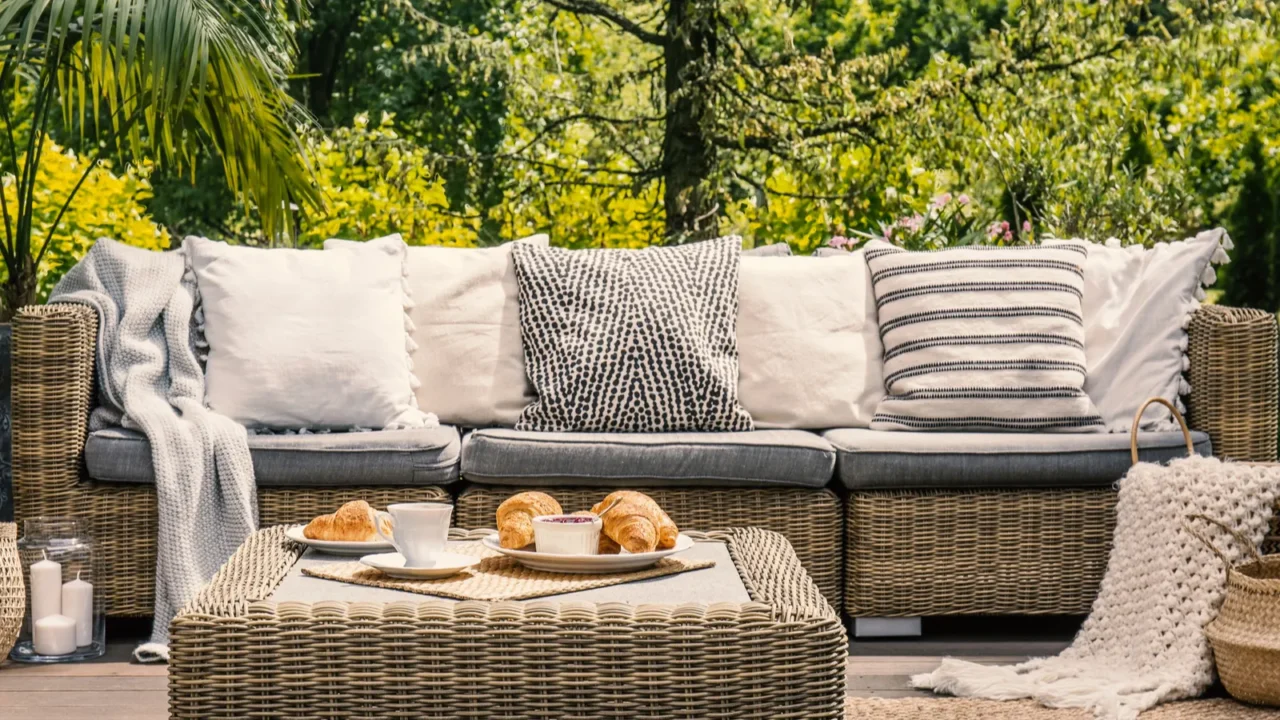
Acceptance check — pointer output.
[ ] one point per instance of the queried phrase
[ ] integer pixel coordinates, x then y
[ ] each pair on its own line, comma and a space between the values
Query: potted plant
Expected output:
166, 81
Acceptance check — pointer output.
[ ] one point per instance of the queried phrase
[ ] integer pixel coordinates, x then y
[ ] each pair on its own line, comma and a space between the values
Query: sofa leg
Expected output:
873, 627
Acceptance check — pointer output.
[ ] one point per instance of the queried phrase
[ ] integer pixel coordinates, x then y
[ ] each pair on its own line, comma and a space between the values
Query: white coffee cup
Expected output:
419, 530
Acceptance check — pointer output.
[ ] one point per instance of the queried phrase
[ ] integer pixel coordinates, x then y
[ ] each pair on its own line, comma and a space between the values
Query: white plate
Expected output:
622, 562
338, 547
444, 565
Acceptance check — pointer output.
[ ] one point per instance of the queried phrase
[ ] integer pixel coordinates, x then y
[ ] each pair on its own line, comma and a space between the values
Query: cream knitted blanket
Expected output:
150, 380
1143, 643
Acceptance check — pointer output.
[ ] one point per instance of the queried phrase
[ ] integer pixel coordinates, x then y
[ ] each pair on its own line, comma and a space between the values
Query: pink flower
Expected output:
942, 200
1008, 234
839, 241
914, 222
963, 199
1026, 226
888, 232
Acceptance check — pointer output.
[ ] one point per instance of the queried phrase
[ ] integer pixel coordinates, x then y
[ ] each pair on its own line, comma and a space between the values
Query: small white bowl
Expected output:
567, 534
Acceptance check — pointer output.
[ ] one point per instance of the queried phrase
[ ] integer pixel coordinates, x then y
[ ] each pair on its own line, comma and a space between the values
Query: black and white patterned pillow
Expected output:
631, 340
982, 338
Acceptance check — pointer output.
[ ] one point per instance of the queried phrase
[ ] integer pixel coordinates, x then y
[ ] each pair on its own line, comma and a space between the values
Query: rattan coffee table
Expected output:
243, 649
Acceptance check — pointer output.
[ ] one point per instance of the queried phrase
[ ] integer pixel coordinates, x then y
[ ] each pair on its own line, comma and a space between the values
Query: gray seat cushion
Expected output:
387, 457
878, 459
762, 458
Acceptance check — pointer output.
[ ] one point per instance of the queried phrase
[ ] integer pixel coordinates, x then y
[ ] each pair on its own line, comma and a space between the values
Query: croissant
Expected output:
637, 523
353, 522
515, 517
605, 545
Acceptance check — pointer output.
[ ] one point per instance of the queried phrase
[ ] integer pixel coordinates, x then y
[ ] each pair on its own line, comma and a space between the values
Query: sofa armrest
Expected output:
1233, 378
53, 364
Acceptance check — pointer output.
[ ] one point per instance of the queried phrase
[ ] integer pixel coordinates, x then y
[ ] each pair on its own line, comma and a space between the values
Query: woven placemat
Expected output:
969, 709
498, 577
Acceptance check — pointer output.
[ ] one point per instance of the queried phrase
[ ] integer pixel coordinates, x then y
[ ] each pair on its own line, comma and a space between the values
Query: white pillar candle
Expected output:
54, 635
46, 589
77, 604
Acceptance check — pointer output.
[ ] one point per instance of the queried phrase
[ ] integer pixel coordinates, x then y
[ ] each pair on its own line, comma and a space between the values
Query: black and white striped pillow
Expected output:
982, 338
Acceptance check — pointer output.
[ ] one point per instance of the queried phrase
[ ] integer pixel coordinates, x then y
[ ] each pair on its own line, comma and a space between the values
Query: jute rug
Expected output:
968, 709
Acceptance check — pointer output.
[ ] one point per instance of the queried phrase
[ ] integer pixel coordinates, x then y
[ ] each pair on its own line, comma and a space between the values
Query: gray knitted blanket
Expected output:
150, 380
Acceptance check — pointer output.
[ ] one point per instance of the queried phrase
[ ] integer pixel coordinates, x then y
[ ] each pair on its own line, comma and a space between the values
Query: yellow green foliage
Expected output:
373, 183
107, 205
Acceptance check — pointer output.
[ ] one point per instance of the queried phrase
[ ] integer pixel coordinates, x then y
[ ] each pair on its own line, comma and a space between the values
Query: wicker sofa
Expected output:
907, 550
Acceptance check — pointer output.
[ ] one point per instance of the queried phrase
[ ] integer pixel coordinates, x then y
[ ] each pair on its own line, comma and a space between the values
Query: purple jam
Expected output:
569, 519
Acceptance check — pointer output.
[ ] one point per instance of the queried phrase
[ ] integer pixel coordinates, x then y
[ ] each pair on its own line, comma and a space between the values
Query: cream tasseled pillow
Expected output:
1138, 302
306, 339
809, 350
466, 319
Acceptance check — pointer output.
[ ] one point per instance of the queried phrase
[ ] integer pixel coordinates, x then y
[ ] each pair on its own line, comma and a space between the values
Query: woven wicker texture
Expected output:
810, 519
782, 656
1233, 380
976, 552
53, 360
1246, 633
1234, 398
1027, 552
966, 709
498, 578
13, 595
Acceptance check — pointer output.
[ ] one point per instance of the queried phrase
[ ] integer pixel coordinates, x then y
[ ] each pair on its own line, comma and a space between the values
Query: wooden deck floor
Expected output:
113, 688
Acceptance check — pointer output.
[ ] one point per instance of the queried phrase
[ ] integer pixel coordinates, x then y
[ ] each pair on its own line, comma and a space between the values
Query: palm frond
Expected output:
172, 79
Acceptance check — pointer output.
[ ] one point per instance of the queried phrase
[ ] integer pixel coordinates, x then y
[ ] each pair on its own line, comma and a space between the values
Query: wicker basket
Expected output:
13, 594
1246, 634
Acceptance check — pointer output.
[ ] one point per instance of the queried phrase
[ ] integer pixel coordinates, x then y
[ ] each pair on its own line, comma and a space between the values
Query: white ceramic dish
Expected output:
587, 564
579, 536
443, 565
338, 547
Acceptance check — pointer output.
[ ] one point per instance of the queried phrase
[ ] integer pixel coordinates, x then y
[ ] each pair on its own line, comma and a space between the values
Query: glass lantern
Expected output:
64, 621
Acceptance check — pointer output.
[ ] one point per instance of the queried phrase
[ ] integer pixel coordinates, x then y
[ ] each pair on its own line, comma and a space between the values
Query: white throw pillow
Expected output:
982, 338
466, 316
1137, 304
809, 352
306, 339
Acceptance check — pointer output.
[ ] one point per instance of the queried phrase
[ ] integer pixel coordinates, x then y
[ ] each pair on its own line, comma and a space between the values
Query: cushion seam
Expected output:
639, 478
1015, 452
716, 446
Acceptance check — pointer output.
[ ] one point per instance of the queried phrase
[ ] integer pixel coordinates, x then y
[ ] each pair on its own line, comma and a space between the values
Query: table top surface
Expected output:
720, 583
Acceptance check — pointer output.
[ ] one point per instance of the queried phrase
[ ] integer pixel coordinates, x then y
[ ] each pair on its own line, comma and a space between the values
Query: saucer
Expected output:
443, 565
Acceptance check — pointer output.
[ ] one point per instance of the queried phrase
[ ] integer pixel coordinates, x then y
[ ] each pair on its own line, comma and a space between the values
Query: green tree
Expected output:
439, 68
732, 95
1254, 224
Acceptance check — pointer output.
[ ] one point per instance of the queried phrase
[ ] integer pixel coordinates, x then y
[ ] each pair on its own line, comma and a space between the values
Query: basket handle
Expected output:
1137, 419
1240, 539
